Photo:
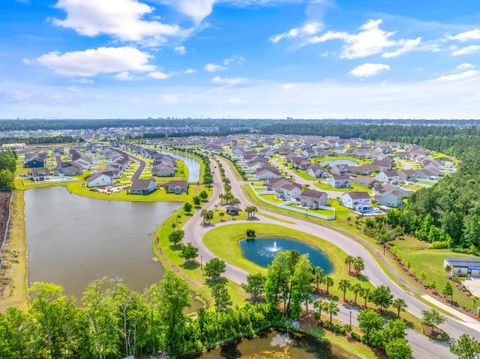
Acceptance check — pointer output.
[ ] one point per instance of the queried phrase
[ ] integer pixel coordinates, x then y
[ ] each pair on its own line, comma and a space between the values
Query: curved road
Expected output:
422, 346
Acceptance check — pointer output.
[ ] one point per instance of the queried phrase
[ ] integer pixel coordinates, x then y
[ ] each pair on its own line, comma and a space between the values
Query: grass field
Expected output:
427, 261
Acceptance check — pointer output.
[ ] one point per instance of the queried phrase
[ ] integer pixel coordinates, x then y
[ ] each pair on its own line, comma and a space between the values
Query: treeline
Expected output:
115, 321
8, 165
41, 140
448, 214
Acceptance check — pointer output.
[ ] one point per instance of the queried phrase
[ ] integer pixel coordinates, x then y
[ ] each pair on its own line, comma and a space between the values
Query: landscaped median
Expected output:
223, 241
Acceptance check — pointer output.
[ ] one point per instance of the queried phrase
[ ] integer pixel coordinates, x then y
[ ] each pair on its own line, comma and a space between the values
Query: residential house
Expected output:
265, 173
339, 181
35, 160
392, 198
357, 201
364, 181
341, 170
313, 199
288, 191
39, 174
177, 186
100, 179
143, 186
317, 171
390, 176
70, 169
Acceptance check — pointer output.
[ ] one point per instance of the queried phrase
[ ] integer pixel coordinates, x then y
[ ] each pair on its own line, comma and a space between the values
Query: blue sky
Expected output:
239, 58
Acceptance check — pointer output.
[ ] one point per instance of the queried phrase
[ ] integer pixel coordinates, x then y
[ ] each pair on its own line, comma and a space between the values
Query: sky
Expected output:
240, 59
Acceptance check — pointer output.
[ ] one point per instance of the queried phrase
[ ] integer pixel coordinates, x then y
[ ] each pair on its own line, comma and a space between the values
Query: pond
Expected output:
343, 161
262, 251
73, 240
192, 165
279, 345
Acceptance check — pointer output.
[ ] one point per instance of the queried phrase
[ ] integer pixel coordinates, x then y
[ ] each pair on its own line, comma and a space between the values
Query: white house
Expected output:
266, 173
358, 201
288, 191
100, 179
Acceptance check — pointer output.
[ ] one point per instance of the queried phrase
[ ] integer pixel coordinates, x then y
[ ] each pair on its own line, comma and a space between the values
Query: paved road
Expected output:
373, 271
422, 346
303, 181
136, 175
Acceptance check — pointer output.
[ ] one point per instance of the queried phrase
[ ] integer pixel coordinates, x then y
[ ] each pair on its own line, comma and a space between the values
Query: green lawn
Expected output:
360, 161
429, 261
355, 187
271, 198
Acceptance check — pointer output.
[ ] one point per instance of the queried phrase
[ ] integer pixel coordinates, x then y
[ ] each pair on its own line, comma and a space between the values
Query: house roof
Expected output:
312, 193
141, 184
177, 183
358, 195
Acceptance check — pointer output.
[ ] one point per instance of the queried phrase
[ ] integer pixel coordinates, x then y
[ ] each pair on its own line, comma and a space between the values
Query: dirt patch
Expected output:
4, 213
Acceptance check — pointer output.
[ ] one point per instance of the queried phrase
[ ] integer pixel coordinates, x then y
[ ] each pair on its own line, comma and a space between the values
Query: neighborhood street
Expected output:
422, 346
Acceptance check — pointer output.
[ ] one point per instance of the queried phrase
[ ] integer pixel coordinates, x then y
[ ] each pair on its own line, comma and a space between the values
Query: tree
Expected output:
365, 294
221, 297
189, 253
349, 262
319, 276
187, 207
332, 309
400, 305
214, 269
382, 297
344, 285
328, 283
175, 237
207, 215
251, 210
369, 321
398, 349
255, 286
174, 297
197, 201
250, 233
358, 265
394, 329
432, 318
204, 195
356, 289
448, 292
6, 179
301, 286
466, 347
319, 305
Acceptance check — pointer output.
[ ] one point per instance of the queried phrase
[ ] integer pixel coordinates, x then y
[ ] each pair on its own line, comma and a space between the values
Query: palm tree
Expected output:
204, 215
358, 265
222, 197
320, 305
356, 289
332, 309
400, 305
344, 285
349, 260
319, 276
329, 282
366, 295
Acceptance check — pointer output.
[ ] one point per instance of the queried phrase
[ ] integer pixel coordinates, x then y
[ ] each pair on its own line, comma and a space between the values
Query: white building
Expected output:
463, 266
357, 201
100, 179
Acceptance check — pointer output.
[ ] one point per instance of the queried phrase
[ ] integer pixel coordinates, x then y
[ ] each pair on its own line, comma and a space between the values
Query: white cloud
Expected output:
308, 29
214, 68
228, 81
190, 71
466, 50
181, 50
158, 75
369, 41
103, 60
123, 19
407, 46
465, 75
466, 36
195, 9
368, 70
464, 67
234, 60
124, 76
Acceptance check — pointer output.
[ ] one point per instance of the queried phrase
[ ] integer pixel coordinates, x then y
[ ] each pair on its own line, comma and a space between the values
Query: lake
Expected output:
192, 165
344, 161
73, 240
262, 251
